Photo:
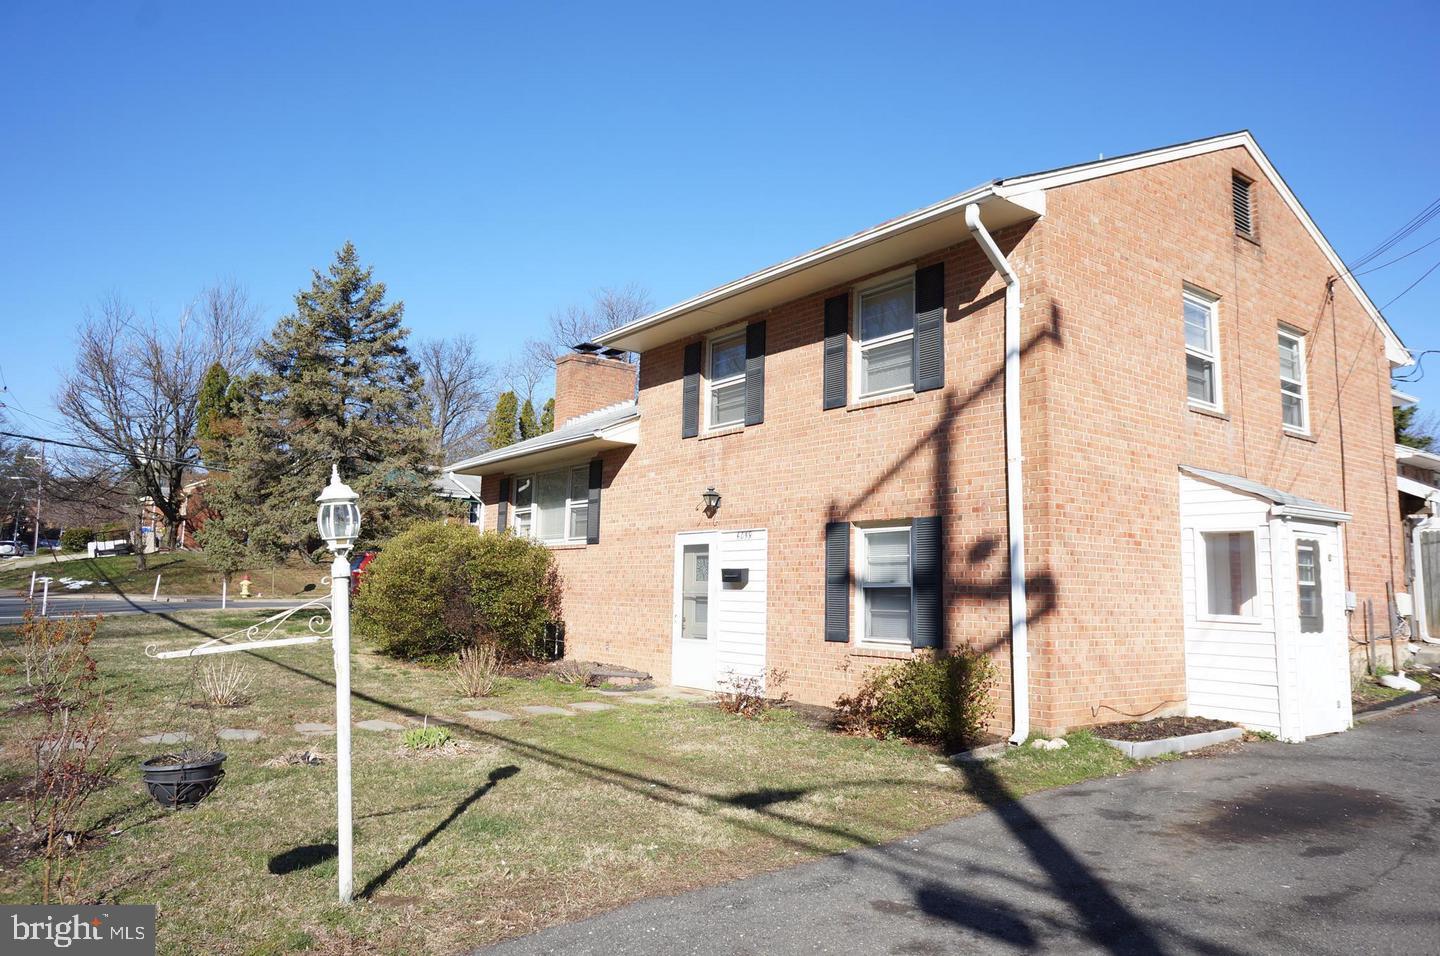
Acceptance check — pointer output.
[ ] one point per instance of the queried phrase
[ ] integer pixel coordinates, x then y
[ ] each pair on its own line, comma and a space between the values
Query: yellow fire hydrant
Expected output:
245, 587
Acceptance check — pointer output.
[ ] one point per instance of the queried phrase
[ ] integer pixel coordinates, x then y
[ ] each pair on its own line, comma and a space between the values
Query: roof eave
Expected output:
621, 434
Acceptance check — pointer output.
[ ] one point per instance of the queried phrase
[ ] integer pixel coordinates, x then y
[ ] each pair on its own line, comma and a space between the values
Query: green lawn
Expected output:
538, 820
180, 572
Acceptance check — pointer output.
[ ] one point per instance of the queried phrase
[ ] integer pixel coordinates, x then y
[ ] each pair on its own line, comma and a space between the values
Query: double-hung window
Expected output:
553, 506
1202, 351
886, 335
885, 584
1307, 585
725, 379
1294, 406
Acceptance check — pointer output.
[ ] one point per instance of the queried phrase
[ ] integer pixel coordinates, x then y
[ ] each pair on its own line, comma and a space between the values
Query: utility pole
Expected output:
39, 494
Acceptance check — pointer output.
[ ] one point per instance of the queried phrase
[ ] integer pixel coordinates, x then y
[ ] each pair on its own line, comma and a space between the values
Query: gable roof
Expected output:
1002, 202
608, 427
1285, 503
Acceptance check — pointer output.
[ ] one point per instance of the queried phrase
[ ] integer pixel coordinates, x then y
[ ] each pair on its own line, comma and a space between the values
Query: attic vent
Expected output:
1244, 209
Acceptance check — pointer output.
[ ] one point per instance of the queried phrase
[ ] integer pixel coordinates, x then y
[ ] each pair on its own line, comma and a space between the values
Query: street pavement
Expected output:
12, 608
1324, 847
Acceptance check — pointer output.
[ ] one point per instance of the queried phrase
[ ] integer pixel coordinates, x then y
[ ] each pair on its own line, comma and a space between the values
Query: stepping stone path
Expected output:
314, 730
235, 733
488, 716
591, 706
542, 709
170, 737
379, 725
639, 699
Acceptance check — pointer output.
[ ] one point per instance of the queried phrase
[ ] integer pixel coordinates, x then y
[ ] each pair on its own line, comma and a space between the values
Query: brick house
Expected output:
1125, 426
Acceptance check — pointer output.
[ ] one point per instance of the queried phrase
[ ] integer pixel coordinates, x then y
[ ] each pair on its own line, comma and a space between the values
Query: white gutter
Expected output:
1014, 491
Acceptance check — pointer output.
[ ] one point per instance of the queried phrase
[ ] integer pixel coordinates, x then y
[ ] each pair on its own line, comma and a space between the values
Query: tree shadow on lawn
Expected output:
1098, 913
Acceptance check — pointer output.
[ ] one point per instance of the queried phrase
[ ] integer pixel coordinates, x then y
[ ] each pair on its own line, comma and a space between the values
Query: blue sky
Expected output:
496, 161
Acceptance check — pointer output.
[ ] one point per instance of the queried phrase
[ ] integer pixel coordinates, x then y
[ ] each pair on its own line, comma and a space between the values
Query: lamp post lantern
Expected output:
339, 524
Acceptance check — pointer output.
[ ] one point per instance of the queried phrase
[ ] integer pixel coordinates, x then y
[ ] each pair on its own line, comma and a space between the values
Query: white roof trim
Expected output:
1395, 350
1418, 456
1417, 488
1401, 399
613, 432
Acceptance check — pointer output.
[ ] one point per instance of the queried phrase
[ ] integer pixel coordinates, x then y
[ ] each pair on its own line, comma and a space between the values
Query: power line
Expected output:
1412, 285
103, 451
1396, 259
1416, 221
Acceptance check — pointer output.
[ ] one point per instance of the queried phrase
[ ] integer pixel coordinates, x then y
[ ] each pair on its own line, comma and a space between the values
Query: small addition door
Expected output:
1319, 604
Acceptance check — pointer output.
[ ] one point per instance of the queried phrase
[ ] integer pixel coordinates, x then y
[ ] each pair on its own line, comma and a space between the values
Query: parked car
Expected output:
358, 564
49, 544
104, 549
13, 549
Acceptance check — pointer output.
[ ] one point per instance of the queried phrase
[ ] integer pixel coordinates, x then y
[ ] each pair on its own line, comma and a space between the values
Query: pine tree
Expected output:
210, 412
337, 387
1410, 432
500, 430
547, 417
529, 426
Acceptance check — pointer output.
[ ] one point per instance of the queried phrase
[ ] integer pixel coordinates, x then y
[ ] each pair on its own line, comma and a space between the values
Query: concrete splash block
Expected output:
1145, 749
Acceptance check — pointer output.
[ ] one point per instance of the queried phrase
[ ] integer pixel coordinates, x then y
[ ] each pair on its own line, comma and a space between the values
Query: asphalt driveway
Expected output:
1326, 847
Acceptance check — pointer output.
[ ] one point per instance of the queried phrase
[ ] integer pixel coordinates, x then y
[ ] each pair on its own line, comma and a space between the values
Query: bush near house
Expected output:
75, 539
439, 588
939, 700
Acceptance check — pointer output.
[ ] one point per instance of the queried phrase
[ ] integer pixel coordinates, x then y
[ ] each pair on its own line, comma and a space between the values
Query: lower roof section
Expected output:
1284, 504
617, 426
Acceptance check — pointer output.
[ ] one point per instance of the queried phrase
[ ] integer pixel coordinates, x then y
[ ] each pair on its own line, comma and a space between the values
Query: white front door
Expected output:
720, 620
1319, 605
693, 646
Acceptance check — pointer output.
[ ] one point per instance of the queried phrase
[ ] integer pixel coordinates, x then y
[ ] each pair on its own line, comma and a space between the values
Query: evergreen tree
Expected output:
211, 411
337, 387
529, 425
500, 430
1410, 432
547, 417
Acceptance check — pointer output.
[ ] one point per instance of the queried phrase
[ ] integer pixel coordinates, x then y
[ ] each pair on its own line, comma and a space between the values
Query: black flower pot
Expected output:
183, 779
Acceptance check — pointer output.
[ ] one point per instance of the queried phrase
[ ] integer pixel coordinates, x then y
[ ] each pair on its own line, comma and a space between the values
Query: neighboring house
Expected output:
1418, 484
464, 489
1085, 421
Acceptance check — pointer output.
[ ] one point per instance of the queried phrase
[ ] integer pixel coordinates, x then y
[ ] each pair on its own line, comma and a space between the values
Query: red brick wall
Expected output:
586, 383
1106, 425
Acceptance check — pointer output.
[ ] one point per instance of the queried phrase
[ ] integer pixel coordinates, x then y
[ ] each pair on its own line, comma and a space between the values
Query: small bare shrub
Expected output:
747, 696
225, 682
571, 672
940, 700
477, 669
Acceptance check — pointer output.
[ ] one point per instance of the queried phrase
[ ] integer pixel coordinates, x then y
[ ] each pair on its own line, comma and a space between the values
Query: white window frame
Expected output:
709, 385
475, 513
1202, 577
1301, 385
859, 546
1211, 304
572, 504
858, 349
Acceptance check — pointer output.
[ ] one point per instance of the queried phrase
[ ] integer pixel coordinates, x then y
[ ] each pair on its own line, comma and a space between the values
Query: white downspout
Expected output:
1014, 490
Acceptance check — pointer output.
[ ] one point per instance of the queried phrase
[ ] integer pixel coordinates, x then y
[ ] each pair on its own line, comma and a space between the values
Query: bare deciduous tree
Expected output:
133, 391
461, 389
609, 308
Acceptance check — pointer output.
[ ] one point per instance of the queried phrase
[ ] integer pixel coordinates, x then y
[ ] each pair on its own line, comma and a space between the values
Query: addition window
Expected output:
884, 582
1294, 404
725, 379
1307, 586
885, 331
475, 513
553, 506
1229, 589
1202, 351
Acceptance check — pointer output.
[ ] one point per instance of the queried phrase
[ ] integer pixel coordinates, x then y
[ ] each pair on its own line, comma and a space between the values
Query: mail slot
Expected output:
734, 577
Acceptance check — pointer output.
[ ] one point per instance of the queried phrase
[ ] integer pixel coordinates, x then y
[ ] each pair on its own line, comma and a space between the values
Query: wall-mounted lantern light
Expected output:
710, 501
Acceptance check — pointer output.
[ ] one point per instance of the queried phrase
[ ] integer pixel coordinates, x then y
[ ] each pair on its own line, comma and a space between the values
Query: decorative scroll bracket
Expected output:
259, 635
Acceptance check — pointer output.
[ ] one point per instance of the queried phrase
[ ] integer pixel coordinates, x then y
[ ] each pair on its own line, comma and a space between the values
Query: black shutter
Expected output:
690, 395
755, 373
930, 328
837, 581
502, 507
927, 614
837, 335
592, 510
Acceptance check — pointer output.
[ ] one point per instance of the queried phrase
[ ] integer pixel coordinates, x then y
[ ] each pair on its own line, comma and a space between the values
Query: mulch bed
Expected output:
1159, 729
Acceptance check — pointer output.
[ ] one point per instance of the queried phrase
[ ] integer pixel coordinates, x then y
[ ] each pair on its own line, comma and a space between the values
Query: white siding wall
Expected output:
740, 622
1230, 667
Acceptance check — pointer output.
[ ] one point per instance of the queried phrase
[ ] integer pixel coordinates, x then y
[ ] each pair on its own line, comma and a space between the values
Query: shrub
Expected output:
225, 682
438, 588
941, 700
75, 539
571, 672
426, 738
746, 696
477, 669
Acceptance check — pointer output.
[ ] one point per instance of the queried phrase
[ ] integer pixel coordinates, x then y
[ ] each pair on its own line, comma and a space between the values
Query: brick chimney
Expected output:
585, 383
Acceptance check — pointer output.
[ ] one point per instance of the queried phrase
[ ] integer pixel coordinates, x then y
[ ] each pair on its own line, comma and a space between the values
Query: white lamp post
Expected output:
339, 524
